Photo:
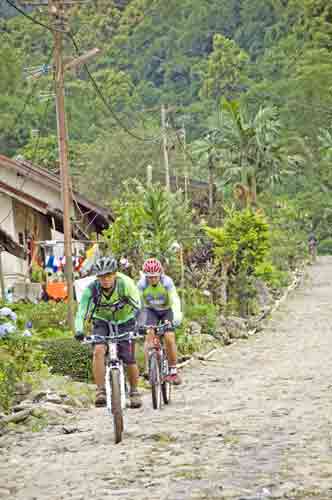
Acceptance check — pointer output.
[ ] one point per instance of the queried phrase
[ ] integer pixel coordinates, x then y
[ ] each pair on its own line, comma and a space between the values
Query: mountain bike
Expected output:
158, 366
313, 250
115, 379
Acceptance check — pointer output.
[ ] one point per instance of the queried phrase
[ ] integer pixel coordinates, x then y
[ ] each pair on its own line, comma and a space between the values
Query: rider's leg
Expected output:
133, 374
98, 368
171, 351
148, 317
127, 354
170, 346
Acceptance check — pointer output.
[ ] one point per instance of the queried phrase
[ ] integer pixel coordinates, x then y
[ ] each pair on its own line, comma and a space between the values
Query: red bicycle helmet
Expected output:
152, 267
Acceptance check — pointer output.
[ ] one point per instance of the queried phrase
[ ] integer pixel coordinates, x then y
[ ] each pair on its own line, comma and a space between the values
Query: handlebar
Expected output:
99, 339
159, 330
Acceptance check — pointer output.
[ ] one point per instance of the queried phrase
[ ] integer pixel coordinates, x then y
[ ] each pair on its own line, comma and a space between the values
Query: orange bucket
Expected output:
57, 290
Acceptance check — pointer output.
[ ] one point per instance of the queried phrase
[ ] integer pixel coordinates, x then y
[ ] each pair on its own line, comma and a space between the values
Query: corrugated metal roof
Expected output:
42, 176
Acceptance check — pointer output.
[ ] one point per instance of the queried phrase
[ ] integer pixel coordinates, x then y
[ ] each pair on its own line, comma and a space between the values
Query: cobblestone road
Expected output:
253, 422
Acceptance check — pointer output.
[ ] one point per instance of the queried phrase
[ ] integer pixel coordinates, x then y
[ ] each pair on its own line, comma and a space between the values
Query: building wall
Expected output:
31, 187
22, 222
29, 222
11, 264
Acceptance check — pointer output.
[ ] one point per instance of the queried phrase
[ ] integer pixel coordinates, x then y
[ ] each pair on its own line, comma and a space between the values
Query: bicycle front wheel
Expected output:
116, 405
154, 372
165, 386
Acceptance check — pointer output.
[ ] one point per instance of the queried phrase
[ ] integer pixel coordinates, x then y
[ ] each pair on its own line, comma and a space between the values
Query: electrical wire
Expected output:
32, 19
185, 150
32, 161
106, 103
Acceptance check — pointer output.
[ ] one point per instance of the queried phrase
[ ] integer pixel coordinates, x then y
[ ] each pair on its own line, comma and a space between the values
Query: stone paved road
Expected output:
252, 423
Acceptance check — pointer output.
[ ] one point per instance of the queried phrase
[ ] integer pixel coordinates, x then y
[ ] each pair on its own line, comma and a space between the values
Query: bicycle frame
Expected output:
114, 363
158, 347
112, 360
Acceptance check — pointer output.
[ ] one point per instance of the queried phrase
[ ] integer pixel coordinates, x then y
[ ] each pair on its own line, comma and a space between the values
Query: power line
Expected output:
32, 19
94, 83
106, 103
32, 161
185, 151
26, 102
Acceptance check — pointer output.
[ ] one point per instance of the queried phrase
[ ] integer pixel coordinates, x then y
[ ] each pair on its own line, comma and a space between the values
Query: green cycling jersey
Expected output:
96, 304
161, 296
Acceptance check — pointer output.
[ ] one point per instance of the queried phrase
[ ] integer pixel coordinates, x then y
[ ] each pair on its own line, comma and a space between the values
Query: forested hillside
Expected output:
271, 58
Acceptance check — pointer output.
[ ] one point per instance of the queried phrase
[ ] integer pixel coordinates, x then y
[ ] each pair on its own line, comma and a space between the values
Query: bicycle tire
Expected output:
165, 386
154, 373
116, 405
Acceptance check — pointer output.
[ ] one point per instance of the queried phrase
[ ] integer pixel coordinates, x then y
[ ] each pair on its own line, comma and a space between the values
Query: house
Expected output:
31, 210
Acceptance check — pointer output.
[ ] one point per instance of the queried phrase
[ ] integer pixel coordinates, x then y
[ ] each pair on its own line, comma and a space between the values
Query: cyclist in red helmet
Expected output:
161, 303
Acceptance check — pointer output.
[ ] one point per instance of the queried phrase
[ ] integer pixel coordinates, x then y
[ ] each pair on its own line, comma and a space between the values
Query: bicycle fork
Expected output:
109, 370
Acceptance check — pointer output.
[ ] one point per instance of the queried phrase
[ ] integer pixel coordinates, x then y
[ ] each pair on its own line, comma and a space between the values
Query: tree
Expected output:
252, 148
227, 70
241, 245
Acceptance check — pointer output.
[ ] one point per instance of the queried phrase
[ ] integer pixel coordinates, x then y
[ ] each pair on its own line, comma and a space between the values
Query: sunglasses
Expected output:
107, 276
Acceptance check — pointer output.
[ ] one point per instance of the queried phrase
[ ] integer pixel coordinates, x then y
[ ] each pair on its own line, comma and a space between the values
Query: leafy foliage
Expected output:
244, 240
19, 357
149, 221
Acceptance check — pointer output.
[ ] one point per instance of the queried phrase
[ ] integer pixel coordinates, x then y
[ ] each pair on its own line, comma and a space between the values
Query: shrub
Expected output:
240, 246
244, 240
68, 357
43, 315
205, 314
8, 379
325, 247
272, 276
19, 357
186, 343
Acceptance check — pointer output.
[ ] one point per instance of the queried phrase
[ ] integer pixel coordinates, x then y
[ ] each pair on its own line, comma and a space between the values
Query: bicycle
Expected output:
115, 380
158, 366
313, 250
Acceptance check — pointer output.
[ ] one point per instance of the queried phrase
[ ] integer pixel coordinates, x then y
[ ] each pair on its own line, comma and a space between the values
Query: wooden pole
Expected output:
165, 149
149, 175
56, 11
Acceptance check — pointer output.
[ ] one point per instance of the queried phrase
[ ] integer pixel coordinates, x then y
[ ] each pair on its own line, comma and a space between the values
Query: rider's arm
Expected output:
175, 304
132, 292
83, 309
141, 286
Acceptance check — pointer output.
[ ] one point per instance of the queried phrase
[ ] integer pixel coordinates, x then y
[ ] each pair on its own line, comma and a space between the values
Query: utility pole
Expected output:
165, 149
56, 11
149, 175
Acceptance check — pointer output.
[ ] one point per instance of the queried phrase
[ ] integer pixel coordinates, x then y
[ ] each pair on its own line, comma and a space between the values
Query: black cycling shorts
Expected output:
152, 317
126, 348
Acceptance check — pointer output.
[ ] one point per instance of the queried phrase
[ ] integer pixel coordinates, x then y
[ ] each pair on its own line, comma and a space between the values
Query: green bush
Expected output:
43, 315
68, 357
240, 246
19, 357
8, 379
272, 276
325, 247
186, 343
205, 314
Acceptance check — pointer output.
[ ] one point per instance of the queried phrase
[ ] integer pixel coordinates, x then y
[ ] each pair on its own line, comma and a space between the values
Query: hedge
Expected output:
68, 357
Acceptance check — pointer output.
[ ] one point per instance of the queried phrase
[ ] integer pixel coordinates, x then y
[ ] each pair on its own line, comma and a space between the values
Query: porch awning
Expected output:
9, 245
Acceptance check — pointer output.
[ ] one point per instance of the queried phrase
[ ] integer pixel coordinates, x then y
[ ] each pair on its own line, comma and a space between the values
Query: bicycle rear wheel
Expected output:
154, 375
116, 405
165, 386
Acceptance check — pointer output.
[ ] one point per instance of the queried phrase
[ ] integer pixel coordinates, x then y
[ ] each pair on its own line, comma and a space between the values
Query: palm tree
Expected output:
252, 149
